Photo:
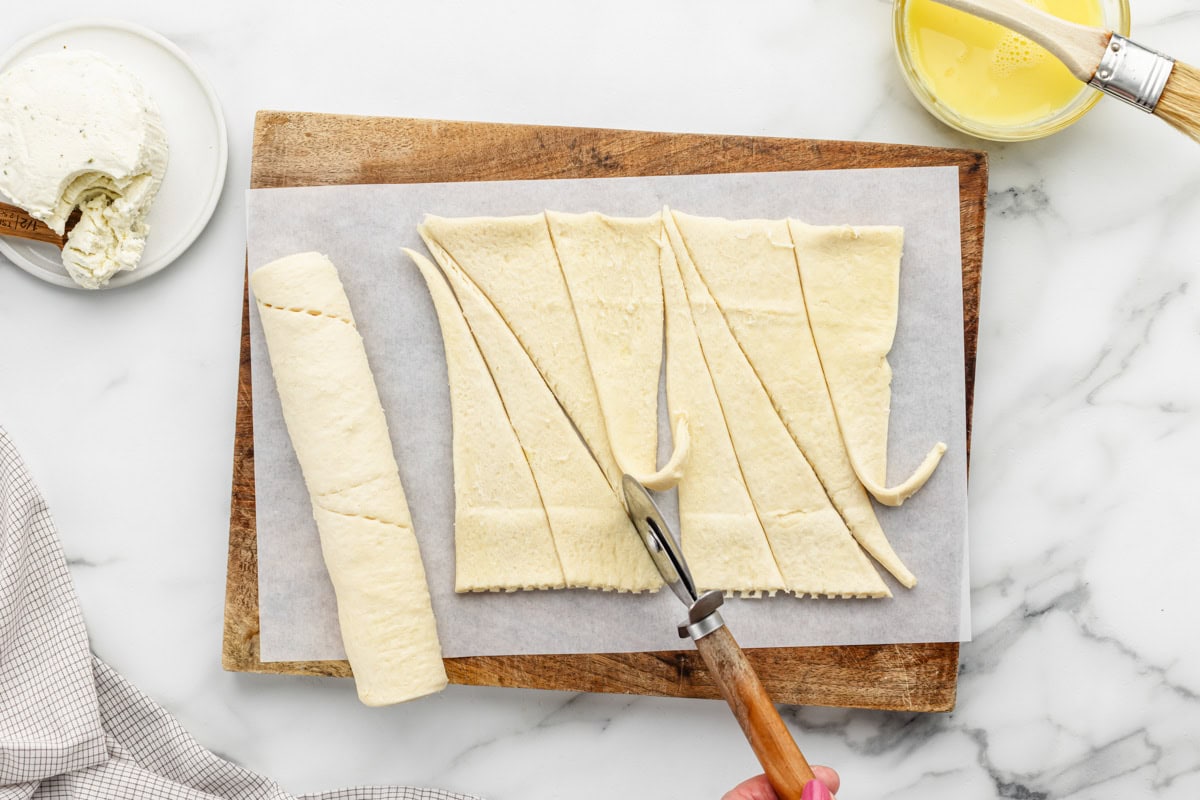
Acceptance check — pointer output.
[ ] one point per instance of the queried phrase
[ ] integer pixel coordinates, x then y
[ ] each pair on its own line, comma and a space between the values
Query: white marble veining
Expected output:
1084, 678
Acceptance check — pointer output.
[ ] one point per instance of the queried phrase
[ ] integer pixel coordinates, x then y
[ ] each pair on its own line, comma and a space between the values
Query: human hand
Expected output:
758, 788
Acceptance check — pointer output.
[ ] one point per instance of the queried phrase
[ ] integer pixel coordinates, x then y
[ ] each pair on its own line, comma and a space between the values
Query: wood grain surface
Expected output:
300, 149
16, 223
784, 765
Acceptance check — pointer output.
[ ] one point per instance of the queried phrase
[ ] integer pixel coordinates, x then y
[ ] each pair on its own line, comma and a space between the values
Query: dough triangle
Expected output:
722, 537
813, 549
497, 509
512, 262
596, 542
851, 282
611, 270
770, 324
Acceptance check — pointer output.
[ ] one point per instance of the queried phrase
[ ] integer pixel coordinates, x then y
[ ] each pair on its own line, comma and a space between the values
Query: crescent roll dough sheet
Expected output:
812, 547
851, 282
768, 320
611, 270
777, 384
337, 427
722, 537
512, 261
596, 542
497, 508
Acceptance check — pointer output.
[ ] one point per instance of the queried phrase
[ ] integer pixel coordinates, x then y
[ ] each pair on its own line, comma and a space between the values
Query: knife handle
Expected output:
781, 759
15, 222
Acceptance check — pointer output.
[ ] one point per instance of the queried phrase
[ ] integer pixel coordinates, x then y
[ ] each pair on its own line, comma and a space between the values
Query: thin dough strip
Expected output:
610, 268
498, 510
596, 542
722, 536
850, 279
896, 495
513, 263
670, 474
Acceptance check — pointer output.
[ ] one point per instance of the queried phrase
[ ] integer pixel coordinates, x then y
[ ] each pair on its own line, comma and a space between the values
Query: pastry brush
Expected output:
1104, 60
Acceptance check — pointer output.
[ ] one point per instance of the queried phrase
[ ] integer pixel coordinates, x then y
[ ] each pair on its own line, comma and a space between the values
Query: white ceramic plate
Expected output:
196, 137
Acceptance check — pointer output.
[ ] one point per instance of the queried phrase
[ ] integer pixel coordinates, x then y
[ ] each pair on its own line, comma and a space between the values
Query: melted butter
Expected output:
987, 73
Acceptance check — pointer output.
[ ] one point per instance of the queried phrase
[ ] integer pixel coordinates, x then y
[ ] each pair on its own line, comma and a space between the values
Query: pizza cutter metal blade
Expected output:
781, 759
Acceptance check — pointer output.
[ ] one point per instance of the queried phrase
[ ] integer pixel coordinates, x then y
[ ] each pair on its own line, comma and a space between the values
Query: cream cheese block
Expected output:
77, 130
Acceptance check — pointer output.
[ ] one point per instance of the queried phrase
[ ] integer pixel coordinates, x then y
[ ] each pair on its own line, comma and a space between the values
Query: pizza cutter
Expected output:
784, 764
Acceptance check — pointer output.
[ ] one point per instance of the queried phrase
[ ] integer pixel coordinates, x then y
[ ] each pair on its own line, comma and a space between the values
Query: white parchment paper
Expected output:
362, 228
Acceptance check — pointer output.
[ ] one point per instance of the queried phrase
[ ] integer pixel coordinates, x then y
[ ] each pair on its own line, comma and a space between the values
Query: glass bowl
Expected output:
1116, 18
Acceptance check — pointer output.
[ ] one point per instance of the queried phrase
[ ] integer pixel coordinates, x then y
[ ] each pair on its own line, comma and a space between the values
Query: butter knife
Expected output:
769, 738
15, 222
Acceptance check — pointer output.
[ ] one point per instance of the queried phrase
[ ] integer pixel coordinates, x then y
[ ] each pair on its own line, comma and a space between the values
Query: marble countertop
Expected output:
1083, 680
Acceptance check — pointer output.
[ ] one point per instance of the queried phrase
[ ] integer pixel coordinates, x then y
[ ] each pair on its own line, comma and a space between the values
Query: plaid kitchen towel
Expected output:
70, 727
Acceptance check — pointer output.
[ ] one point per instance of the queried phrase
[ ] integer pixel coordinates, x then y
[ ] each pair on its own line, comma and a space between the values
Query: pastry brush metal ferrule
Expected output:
1132, 73
784, 764
1104, 60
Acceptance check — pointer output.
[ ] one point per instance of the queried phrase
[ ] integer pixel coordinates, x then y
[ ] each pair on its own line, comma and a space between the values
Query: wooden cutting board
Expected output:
298, 149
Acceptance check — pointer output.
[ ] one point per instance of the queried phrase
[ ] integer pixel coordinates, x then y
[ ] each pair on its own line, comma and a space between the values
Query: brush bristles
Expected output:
1180, 101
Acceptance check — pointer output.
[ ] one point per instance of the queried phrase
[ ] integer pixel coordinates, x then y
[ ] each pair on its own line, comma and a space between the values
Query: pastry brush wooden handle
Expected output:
1077, 46
15, 222
781, 759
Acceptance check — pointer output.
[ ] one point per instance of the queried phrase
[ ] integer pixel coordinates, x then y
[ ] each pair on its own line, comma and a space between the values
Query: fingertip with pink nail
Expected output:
815, 790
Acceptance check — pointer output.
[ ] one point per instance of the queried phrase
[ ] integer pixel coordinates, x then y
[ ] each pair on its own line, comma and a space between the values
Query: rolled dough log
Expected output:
340, 436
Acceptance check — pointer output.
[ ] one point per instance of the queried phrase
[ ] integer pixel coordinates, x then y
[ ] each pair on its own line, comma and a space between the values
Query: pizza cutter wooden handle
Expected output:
15, 222
781, 759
